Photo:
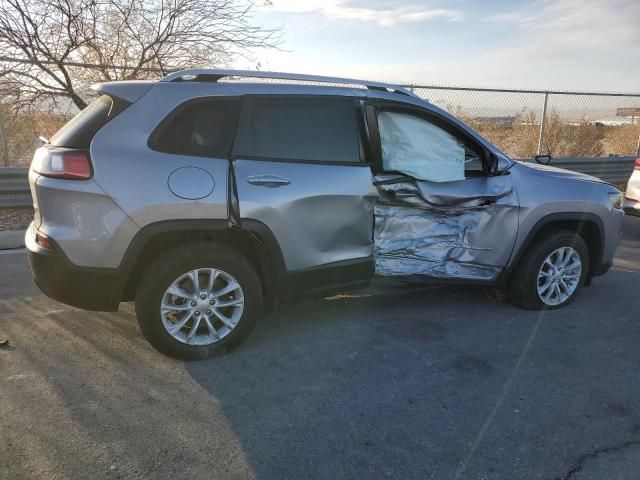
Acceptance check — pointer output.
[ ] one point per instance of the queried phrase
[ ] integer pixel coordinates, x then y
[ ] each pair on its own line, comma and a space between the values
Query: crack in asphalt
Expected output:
584, 458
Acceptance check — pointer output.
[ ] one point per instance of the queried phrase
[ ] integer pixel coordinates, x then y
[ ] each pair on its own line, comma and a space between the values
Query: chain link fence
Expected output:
522, 123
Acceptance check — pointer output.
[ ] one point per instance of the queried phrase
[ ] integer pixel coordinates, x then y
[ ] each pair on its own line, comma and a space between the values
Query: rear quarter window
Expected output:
81, 129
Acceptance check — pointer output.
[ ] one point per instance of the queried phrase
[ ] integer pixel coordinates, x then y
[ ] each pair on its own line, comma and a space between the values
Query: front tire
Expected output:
198, 300
551, 273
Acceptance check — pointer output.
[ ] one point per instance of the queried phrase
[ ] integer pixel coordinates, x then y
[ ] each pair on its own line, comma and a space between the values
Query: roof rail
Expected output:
213, 75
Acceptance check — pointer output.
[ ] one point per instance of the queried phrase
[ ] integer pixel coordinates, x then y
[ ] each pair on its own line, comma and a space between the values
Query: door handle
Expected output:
270, 181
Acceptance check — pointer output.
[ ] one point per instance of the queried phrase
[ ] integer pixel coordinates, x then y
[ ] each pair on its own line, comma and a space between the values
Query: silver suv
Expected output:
206, 198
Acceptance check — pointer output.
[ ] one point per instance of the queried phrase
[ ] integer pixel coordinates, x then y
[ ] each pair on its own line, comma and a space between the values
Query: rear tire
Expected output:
551, 272
170, 291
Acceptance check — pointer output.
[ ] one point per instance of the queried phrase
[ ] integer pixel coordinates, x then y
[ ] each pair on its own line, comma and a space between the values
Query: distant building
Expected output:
613, 121
500, 120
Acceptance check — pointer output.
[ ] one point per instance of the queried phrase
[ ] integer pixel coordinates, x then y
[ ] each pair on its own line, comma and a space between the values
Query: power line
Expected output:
84, 65
518, 90
409, 86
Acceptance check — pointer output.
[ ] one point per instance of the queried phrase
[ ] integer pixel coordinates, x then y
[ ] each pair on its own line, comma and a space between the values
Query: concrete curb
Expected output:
12, 239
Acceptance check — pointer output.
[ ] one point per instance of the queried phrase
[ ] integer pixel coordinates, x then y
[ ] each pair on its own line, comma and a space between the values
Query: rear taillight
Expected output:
637, 163
69, 164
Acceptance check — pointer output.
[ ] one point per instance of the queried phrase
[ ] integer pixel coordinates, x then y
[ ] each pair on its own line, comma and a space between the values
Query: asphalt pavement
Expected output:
389, 382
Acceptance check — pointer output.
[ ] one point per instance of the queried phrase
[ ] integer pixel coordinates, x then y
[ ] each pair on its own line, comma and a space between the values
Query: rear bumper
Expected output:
59, 279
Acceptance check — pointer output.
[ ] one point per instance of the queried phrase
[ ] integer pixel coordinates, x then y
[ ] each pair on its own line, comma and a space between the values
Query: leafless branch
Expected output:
134, 36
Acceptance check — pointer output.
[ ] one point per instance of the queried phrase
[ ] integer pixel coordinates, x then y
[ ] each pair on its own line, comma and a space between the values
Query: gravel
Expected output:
15, 218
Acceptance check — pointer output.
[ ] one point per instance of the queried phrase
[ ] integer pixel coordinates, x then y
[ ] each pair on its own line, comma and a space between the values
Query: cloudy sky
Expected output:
557, 44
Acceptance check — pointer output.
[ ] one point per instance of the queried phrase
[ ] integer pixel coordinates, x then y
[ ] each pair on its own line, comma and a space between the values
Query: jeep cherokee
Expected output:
205, 197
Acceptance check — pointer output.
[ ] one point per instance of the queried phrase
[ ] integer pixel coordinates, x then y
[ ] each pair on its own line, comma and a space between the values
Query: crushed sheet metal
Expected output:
447, 197
419, 231
408, 241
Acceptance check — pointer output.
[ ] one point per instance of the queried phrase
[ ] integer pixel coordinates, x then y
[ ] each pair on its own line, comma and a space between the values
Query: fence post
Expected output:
544, 117
4, 146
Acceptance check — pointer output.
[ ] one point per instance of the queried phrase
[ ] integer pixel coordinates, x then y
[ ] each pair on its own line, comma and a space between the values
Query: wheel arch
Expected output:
588, 225
254, 241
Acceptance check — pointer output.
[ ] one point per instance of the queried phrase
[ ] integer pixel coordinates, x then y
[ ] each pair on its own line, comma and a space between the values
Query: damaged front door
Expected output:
441, 211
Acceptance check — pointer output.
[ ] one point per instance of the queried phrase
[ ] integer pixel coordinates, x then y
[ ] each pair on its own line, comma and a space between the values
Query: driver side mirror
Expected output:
543, 159
492, 163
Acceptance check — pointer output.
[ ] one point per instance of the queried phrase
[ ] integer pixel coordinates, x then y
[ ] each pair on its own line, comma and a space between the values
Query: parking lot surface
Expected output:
389, 382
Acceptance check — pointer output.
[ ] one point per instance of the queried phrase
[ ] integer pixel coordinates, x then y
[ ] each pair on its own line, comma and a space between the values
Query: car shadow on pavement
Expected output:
351, 387
400, 385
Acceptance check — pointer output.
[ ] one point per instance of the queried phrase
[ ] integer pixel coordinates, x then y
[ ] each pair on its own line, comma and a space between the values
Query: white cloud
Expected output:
556, 44
338, 10
598, 18
581, 43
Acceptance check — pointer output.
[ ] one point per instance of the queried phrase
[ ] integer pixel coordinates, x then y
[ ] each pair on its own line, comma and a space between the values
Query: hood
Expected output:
561, 172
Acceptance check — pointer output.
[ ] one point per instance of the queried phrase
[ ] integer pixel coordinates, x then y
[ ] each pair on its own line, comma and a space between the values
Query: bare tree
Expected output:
623, 140
524, 140
585, 140
138, 35
22, 130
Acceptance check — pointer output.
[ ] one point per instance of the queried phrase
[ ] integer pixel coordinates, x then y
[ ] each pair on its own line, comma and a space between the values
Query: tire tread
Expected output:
522, 284
170, 265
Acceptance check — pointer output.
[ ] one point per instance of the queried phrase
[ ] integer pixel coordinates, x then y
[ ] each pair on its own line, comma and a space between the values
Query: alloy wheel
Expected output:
559, 276
202, 306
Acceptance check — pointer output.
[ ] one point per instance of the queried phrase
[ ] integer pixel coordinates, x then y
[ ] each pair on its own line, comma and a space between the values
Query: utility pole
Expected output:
4, 145
544, 117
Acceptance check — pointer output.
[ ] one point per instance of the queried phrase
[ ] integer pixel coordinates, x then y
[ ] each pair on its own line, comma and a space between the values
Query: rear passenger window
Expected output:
204, 128
322, 129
